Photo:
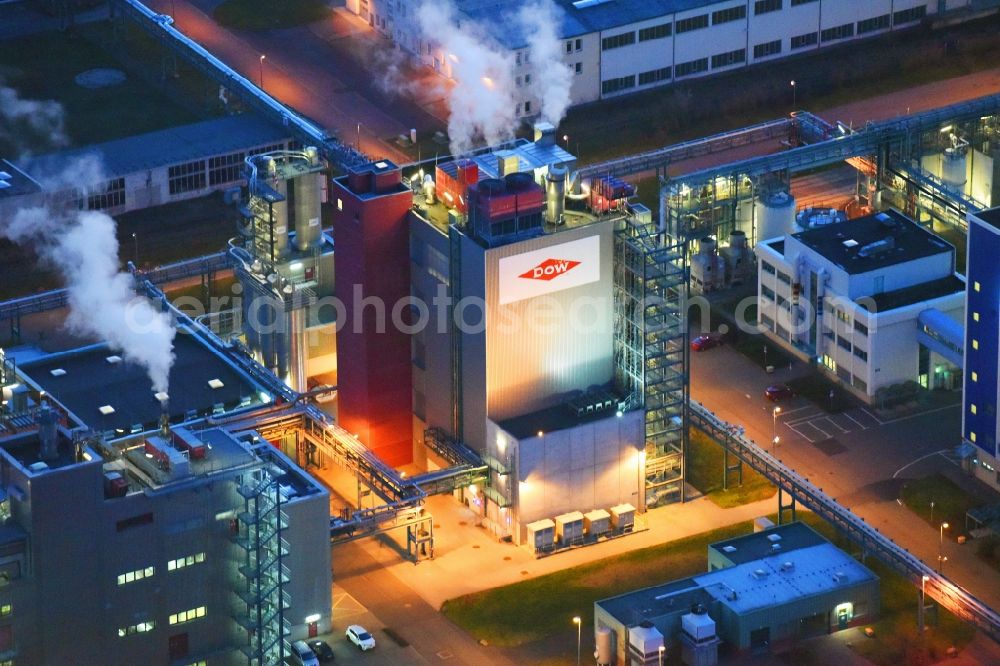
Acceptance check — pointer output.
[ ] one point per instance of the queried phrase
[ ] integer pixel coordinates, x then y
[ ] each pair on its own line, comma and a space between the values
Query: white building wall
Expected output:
594, 465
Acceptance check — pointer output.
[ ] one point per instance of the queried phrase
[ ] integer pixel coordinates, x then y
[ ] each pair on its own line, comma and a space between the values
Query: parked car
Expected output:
778, 392
705, 342
302, 655
322, 650
357, 635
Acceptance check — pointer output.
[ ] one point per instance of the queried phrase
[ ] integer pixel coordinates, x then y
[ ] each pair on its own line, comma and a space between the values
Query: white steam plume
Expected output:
481, 103
82, 245
28, 125
540, 21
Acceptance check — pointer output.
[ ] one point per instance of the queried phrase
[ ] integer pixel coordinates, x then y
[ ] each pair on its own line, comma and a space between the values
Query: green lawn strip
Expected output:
534, 609
950, 502
43, 67
704, 472
262, 15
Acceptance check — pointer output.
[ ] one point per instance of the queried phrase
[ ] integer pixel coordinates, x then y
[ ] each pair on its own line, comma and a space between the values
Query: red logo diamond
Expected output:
550, 269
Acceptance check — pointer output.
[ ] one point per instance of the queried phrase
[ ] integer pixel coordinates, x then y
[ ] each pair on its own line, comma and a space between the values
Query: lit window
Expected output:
972, 436
975, 316
975, 376
975, 285
5, 609
340, 204
140, 628
133, 576
182, 562
975, 344
972, 408
188, 615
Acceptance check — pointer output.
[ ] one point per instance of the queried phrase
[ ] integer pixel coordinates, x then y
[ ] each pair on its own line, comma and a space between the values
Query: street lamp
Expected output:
578, 622
792, 83
566, 140
262, 59
359, 137
923, 602
774, 422
941, 558
774, 444
661, 654
932, 511
135, 246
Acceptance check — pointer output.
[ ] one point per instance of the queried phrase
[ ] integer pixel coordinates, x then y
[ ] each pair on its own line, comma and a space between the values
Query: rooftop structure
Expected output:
762, 589
89, 381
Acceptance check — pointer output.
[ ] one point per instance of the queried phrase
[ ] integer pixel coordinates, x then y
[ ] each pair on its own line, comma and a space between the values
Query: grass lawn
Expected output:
43, 67
263, 15
826, 79
950, 502
704, 472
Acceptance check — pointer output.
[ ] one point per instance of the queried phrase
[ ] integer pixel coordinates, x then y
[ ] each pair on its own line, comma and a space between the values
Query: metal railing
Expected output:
953, 597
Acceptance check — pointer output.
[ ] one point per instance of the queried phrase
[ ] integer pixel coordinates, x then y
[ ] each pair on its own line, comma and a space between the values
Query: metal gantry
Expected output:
263, 575
651, 347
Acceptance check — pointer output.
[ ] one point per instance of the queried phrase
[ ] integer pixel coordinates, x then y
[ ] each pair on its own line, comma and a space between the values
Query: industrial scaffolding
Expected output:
263, 574
651, 347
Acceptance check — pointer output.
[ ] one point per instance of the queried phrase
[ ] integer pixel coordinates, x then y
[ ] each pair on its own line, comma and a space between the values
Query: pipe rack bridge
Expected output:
799, 127
57, 298
953, 597
160, 27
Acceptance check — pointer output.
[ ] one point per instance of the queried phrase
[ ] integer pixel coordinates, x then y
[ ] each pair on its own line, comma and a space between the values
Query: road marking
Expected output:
913, 416
834, 424
863, 427
809, 439
914, 462
949, 458
806, 418
875, 418
792, 411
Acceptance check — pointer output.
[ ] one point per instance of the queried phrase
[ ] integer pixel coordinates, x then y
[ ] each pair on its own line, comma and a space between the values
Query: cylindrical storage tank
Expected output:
308, 225
312, 155
605, 650
555, 194
775, 215
744, 216
953, 165
428, 189
706, 246
47, 433
738, 240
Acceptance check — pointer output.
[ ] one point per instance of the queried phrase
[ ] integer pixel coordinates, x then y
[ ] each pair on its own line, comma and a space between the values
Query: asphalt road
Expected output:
856, 457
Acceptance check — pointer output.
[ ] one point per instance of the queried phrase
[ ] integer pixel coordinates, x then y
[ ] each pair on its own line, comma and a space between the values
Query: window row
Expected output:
188, 615
133, 576
182, 562
617, 84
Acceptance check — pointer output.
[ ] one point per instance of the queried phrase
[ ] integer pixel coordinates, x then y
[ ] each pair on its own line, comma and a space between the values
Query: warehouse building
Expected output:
875, 301
167, 165
761, 590
135, 531
618, 47
982, 355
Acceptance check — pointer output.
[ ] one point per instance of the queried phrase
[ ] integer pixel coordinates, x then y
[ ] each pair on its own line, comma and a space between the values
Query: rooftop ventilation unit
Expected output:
773, 537
57, 372
878, 247
850, 242
729, 549
113, 360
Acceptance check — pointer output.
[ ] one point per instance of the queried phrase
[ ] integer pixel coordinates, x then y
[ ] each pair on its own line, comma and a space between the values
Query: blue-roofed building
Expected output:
168, 165
762, 589
615, 47
982, 346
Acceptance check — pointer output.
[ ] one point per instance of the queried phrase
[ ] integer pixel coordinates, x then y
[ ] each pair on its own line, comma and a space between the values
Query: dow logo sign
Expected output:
550, 269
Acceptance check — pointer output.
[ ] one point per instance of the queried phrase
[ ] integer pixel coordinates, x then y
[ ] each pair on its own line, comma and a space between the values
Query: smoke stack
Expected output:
47, 420
165, 423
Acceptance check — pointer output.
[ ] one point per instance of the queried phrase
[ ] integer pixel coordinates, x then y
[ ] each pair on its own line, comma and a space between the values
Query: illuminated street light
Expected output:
262, 59
923, 602
792, 83
774, 422
941, 558
661, 650
774, 444
579, 623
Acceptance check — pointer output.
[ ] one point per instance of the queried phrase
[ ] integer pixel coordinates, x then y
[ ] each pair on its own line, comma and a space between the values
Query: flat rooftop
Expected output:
651, 602
88, 382
918, 293
751, 547
990, 217
784, 577
174, 145
852, 245
552, 419
26, 450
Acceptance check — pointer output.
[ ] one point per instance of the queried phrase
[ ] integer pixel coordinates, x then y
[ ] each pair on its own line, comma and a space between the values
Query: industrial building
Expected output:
142, 528
479, 247
982, 339
761, 590
614, 48
164, 166
875, 300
